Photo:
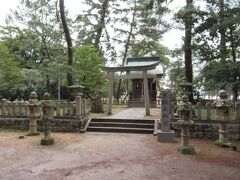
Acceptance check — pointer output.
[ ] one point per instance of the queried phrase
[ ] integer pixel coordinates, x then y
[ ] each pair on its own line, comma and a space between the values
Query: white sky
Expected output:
172, 39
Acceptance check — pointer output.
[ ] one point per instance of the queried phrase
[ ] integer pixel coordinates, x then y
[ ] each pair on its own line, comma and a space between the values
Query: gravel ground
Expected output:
112, 156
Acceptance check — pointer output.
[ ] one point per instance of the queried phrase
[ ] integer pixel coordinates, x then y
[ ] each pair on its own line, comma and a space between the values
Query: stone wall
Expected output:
209, 130
198, 130
58, 125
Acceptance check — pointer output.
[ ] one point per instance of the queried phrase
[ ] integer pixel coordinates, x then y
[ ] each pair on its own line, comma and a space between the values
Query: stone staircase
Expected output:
141, 126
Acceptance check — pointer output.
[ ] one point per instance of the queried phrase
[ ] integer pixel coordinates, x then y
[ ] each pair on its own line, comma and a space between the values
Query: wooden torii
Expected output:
143, 68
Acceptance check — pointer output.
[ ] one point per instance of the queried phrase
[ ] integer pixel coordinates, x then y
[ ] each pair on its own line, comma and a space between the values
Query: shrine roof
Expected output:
133, 67
138, 64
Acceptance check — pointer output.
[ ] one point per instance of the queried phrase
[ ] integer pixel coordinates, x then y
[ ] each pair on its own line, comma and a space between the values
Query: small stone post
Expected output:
208, 106
185, 121
237, 116
172, 111
165, 134
8, 108
199, 111
14, 108
48, 114
58, 112
34, 114
78, 107
110, 92
3, 108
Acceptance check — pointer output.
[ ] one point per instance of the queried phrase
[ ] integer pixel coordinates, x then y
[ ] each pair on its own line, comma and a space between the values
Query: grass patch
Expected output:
32, 133
10, 130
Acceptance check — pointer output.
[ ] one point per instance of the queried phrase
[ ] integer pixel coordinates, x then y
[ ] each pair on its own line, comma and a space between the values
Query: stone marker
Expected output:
48, 114
185, 121
223, 115
165, 134
34, 114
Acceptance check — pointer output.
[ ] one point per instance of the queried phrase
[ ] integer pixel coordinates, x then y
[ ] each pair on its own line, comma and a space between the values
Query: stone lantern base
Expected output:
163, 136
47, 141
187, 150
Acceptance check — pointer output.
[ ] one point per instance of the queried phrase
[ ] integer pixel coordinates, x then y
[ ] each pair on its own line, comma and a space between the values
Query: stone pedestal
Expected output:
223, 105
165, 134
48, 113
34, 114
222, 134
184, 147
185, 121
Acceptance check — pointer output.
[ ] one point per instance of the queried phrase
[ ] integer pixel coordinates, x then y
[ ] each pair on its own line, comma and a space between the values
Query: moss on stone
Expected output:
32, 133
47, 141
221, 143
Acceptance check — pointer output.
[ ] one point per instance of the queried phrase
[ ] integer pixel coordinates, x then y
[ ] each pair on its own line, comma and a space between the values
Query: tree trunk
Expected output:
234, 60
101, 24
127, 45
222, 31
69, 42
188, 48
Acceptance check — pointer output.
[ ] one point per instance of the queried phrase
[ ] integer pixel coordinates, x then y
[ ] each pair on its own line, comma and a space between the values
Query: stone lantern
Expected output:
185, 121
186, 87
75, 90
34, 114
222, 105
48, 114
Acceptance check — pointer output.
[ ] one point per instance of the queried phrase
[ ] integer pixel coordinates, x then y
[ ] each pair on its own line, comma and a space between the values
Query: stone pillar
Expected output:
14, 108
146, 93
3, 107
199, 111
185, 121
17, 108
156, 127
172, 111
64, 108
70, 108
8, 108
222, 105
78, 107
165, 134
237, 116
26, 108
48, 114
110, 92
223, 133
21, 108
208, 106
58, 112
34, 114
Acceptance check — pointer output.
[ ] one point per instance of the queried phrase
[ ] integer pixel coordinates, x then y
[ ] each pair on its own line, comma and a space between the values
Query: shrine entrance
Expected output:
143, 72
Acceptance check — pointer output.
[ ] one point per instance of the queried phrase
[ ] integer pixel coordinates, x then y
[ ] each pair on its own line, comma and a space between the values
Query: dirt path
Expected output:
104, 156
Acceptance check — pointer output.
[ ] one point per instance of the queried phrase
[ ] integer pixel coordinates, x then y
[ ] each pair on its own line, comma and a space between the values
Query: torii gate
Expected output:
143, 68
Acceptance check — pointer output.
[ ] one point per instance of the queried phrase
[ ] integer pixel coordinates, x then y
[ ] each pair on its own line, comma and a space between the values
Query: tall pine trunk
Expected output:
234, 60
69, 42
127, 45
188, 47
101, 24
222, 32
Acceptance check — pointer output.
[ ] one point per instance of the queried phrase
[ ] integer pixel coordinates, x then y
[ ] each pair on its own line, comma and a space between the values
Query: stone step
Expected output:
122, 124
147, 121
120, 130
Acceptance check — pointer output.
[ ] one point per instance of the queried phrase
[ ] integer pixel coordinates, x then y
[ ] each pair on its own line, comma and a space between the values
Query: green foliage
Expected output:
176, 69
11, 75
216, 75
86, 67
